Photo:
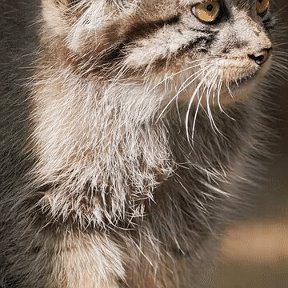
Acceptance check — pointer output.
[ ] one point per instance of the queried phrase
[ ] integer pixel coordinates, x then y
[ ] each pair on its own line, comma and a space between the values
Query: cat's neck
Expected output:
86, 135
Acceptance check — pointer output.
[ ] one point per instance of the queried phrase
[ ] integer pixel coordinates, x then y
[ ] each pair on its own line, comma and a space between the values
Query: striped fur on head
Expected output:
147, 41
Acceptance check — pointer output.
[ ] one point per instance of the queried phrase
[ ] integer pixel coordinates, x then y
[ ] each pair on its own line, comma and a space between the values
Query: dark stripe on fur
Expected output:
201, 44
68, 3
135, 32
207, 31
268, 24
115, 55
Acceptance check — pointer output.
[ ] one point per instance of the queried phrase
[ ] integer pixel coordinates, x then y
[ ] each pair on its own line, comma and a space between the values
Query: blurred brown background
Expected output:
255, 251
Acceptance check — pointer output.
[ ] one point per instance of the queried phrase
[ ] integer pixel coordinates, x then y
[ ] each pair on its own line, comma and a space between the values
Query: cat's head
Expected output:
187, 49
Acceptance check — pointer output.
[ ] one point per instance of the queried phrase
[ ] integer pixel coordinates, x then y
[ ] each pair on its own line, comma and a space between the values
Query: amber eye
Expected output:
208, 11
262, 7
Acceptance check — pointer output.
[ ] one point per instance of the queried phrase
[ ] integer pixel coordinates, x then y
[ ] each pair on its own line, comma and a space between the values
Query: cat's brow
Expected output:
191, 2
145, 28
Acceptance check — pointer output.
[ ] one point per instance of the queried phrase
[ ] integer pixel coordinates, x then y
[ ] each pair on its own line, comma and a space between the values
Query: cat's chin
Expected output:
242, 88
239, 90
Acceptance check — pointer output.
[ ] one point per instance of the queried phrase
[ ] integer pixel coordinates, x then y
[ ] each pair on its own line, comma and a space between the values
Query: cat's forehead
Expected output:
168, 6
174, 4
240, 3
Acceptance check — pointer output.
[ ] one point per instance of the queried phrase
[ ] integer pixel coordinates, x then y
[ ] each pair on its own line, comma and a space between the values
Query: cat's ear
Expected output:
76, 2
67, 2
68, 17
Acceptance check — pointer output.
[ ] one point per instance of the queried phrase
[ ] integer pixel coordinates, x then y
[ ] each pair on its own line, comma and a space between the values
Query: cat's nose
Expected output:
261, 56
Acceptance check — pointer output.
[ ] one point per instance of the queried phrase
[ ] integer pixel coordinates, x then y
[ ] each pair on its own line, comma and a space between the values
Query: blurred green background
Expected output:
255, 251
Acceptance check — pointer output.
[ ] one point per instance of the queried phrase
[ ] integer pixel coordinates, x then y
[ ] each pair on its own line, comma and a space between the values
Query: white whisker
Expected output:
196, 91
184, 85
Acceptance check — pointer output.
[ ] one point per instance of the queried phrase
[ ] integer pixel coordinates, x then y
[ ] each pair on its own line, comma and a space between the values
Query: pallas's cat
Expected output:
129, 132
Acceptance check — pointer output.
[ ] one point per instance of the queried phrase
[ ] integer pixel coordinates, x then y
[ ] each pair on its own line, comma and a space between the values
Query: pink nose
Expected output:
261, 56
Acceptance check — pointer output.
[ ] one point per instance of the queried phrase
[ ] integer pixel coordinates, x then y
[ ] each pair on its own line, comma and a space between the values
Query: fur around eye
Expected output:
208, 11
262, 7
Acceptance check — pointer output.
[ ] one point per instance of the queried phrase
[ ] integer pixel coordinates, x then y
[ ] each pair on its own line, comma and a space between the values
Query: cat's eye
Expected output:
207, 11
262, 7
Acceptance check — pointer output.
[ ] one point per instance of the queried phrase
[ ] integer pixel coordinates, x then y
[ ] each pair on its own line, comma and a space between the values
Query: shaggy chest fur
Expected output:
129, 139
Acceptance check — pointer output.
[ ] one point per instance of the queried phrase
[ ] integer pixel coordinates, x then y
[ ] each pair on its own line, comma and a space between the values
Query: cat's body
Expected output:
104, 182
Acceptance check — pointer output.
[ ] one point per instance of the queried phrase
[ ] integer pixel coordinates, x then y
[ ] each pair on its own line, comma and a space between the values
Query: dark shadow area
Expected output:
255, 251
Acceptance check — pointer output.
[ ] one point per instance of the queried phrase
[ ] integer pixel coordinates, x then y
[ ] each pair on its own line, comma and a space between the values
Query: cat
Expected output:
130, 134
